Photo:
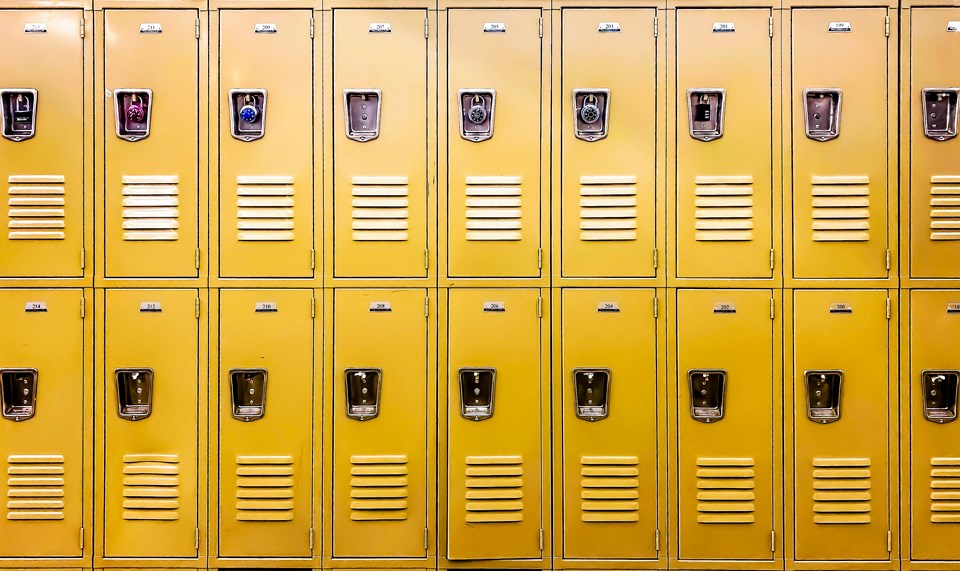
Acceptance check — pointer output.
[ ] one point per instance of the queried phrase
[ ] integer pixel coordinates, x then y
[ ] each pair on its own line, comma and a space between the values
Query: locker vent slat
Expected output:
609, 489
723, 208
35, 487
725, 490
608, 208
380, 209
151, 487
494, 489
265, 206
945, 208
36, 207
494, 207
841, 490
265, 488
378, 488
151, 208
945, 490
841, 208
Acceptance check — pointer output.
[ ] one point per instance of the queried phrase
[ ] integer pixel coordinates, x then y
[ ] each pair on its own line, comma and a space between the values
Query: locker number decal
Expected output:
151, 29
379, 28
35, 28
724, 27
150, 307
953, 308
494, 28
36, 307
495, 306
608, 307
265, 29
724, 308
266, 307
841, 308
609, 27
953, 26
839, 27
378, 306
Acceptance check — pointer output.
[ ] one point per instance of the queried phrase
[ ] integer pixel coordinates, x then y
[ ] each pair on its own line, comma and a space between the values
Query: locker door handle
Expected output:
940, 395
361, 108
821, 116
940, 112
134, 392
18, 393
363, 393
249, 393
705, 109
248, 114
477, 389
823, 395
19, 114
707, 394
592, 390
133, 109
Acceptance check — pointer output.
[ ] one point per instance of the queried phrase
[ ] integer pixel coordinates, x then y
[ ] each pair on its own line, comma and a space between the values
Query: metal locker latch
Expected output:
363, 393
476, 392
362, 110
591, 112
940, 112
18, 393
134, 393
133, 109
821, 116
248, 113
940, 395
19, 114
823, 395
476, 113
707, 388
592, 388
249, 392
706, 110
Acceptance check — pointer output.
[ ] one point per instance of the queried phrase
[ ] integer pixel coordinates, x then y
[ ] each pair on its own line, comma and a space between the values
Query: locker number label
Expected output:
609, 27
378, 306
266, 307
265, 29
379, 28
841, 308
953, 26
840, 27
724, 308
608, 307
151, 29
953, 308
495, 306
36, 307
494, 28
150, 307
724, 27
35, 28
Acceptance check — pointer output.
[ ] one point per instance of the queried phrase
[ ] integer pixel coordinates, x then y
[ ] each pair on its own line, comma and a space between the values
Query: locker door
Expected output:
495, 425
840, 184
266, 143
935, 461
494, 188
381, 384
380, 180
151, 183
41, 351
724, 197
725, 427
609, 452
151, 417
934, 222
609, 166
45, 172
266, 423
841, 480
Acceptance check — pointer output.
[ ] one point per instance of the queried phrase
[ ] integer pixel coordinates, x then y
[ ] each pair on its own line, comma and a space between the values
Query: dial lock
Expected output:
477, 114
133, 109
248, 111
591, 113
136, 112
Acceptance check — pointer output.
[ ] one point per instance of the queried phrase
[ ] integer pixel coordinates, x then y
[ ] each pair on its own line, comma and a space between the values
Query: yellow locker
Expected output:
494, 129
840, 142
930, 394
380, 423
726, 428
609, 452
45, 398
724, 143
42, 149
495, 425
381, 178
841, 425
609, 143
934, 184
151, 389
265, 423
266, 143
151, 142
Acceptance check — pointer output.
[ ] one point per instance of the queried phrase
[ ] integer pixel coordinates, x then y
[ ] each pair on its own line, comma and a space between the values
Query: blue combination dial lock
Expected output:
248, 113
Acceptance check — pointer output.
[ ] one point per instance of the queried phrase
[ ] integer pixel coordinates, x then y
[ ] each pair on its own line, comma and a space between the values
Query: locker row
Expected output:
579, 428
661, 143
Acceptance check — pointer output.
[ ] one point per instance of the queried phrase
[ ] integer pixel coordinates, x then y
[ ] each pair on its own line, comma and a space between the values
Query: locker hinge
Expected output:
196, 308
773, 309
196, 258
539, 307
656, 32
656, 261
83, 27
773, 258
426, 306
426, 258
889, 541
656, 306
426, 34
426, 539
886, 31
83, 258
196, 27
541, 35
83, 310
81, 538
313, 307
541, 539
539, 258
888, 259
656, 539
888, 308
311, 35
311, 540
313, 258
771, 26
196, 538
773, 541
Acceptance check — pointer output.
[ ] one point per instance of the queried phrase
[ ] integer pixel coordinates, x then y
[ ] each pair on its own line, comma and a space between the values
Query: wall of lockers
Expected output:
516, 284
